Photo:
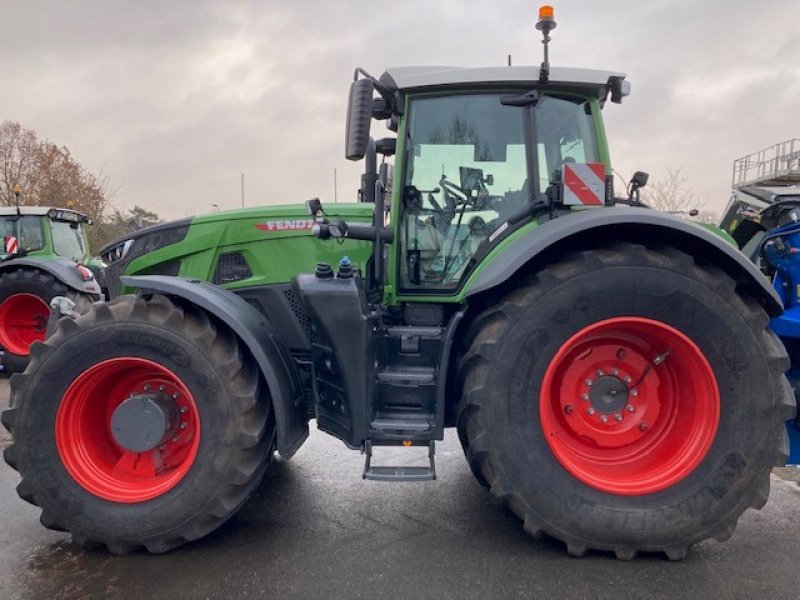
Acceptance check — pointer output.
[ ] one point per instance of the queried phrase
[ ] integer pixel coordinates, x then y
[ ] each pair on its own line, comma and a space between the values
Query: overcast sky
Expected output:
174, 99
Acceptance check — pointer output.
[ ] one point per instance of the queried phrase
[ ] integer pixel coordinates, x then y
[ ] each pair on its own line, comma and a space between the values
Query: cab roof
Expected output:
417, 78
37, 211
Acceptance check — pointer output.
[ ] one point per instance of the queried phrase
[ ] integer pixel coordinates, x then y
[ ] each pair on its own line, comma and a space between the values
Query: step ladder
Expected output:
390, 473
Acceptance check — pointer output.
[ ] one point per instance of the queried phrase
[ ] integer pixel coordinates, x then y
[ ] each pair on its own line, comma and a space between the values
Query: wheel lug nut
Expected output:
176, 439
600, 373
148, 387
591, 410
621, 354
615, 371
628, 379
175, 396
183, 409
588, 382
618, 416
630, 408
643, 426
161, 388
634, 393
184, 425
162, 447
604, 418
585, 397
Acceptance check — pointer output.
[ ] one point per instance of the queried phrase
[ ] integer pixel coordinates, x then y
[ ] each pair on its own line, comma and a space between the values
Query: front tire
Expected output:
94, 478
625, 399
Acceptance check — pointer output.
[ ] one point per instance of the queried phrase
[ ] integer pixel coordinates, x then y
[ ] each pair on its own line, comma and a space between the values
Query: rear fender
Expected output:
62, 269
261, 339
587, 228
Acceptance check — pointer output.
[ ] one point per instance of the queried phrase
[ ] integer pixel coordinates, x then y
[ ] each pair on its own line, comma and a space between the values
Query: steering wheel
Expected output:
450, 190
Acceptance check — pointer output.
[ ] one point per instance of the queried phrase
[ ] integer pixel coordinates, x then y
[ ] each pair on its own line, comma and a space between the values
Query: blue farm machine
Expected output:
763, 216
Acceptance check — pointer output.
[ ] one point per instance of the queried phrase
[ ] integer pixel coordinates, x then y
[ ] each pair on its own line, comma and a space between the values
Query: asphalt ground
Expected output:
314, 529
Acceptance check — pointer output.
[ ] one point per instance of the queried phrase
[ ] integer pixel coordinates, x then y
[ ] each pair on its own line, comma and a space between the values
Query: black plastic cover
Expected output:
342, 349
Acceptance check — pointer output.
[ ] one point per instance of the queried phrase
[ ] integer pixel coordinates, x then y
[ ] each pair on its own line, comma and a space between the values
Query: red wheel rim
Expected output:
23, 320
90, 452
619, 426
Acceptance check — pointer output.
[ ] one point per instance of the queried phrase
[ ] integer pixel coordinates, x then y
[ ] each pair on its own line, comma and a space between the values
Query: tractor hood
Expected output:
167, 245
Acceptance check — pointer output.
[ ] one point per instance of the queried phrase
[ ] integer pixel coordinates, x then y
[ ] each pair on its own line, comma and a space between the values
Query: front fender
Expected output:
581, 229
63, 269
261, 339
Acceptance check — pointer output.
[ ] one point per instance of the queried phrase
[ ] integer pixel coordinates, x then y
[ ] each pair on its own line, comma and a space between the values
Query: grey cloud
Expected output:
174, 99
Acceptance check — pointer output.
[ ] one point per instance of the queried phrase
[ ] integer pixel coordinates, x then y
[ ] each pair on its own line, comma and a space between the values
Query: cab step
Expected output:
389, 473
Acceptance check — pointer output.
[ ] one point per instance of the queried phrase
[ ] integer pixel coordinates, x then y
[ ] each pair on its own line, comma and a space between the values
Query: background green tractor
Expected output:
609, 369
45, 255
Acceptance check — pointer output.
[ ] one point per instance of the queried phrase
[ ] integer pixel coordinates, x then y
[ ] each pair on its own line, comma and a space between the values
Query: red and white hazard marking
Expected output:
584, 184
11, 244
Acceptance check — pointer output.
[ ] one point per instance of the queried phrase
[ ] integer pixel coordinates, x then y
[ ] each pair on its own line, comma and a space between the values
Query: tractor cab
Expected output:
44, 231
481, 155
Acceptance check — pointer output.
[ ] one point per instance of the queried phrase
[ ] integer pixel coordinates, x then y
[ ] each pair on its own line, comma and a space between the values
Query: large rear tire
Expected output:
25, 296
89, 381
625, 399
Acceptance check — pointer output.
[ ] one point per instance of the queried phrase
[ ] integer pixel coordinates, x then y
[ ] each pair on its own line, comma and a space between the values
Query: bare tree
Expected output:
670, 195
48, 174
117, 224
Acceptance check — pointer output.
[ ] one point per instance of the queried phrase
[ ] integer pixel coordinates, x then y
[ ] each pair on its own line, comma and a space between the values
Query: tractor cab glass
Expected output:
68, 240
30, 236
466, 171
564, 133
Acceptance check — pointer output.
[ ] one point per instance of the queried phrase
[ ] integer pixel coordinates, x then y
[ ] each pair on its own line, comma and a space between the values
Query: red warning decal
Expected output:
11, 244
584, 184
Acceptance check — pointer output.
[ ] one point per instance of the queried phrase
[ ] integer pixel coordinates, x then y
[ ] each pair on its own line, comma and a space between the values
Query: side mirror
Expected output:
639, 179
359, 117
314, 207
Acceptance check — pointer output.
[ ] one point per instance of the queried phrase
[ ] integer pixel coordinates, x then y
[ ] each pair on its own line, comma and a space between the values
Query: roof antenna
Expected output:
545, 24
509, 60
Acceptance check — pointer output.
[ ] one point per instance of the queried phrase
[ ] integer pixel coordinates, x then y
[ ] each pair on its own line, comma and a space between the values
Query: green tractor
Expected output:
609, 368
45, 255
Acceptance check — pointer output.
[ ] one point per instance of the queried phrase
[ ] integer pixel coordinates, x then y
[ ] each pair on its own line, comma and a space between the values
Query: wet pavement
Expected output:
314, 529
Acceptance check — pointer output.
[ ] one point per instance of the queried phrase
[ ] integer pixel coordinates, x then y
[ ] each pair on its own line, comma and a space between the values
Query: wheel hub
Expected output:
145, 421
621, 418
128, 429
608, 394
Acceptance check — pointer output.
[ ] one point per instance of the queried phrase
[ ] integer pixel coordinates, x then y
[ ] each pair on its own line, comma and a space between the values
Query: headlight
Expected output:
117, 253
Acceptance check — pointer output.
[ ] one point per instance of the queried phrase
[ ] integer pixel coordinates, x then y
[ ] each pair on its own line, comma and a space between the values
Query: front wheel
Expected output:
625, 399
140, 423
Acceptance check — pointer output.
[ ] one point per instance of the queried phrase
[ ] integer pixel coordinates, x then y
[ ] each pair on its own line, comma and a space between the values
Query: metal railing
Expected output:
775, 165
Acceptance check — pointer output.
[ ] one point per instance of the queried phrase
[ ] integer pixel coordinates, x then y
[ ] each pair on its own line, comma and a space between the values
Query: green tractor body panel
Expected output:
717, 230
268, 245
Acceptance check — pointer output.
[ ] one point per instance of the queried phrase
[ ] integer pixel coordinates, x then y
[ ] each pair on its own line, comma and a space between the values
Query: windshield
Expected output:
28, 238
466, 172
68, 240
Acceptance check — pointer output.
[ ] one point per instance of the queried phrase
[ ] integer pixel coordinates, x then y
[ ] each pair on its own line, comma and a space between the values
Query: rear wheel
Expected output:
162, 426
625, 399
25, 296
